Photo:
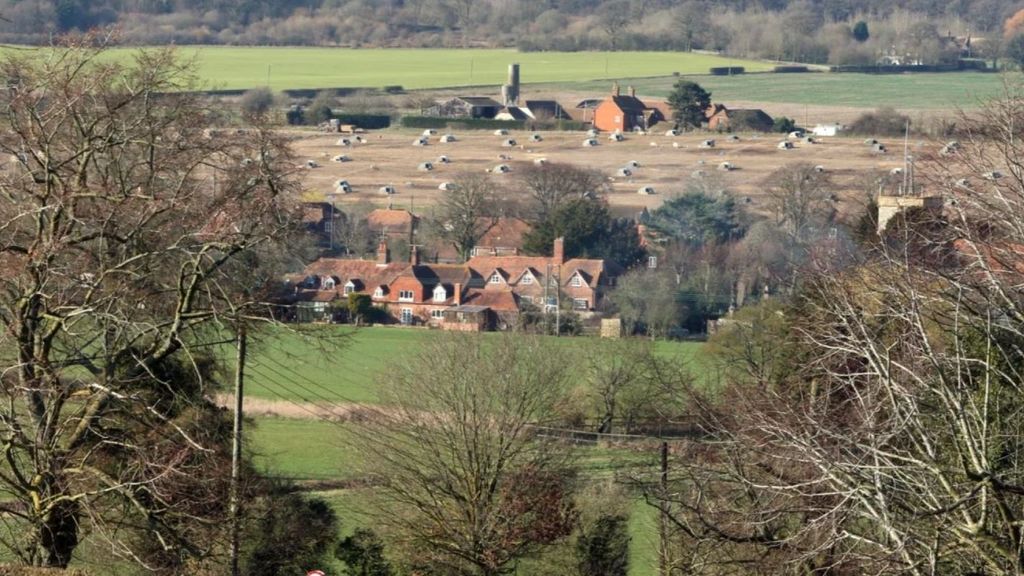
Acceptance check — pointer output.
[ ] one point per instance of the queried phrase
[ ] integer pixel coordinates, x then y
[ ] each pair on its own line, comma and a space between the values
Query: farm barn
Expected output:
465, 107
624, 113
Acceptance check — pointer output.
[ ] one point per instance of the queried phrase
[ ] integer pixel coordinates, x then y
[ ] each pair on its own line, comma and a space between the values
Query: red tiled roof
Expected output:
366, 271
593, 269
506, 233
497, 300
390, 219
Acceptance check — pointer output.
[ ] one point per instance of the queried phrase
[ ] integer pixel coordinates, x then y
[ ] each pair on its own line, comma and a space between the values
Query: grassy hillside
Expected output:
290, 67
911, 91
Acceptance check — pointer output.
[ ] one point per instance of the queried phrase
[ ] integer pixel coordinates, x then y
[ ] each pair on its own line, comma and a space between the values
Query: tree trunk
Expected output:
58, 535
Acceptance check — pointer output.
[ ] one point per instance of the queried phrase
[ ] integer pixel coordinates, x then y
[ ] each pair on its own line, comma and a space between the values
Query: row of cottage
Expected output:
487, 292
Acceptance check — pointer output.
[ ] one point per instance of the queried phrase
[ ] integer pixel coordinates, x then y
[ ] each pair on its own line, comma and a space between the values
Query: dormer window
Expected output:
379, 292
350, 287
576, 281
440, 294
526, 279
327, 283
495, 278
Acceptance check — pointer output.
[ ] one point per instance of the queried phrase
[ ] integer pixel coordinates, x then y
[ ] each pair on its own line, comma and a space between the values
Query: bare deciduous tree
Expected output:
552, 185
131, 235
466, 485
466, 212
896, 447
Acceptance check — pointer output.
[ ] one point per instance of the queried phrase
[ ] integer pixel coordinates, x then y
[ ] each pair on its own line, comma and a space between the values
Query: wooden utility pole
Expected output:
236, 450
663, 560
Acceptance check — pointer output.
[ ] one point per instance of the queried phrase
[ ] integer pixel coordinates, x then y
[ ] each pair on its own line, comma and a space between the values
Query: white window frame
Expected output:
327, 283
526, 279
576, 281
437, 314
495, 278
378, 293
350, 287
406, 316
406, 296
440, 294
652, 262
580, 304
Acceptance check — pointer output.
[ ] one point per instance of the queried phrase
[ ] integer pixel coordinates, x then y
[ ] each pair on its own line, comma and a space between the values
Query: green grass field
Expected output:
226, 67
291, 368
912, 91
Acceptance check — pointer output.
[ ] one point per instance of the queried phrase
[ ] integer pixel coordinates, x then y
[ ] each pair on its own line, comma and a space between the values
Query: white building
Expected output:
827, 129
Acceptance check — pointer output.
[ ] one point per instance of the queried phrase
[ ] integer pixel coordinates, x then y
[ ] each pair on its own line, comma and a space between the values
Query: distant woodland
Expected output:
820, 31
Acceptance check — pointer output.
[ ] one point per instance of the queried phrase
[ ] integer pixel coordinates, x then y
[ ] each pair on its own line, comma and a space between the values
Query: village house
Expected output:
488, 292
321, 219
723, 119
624, 113
393, 223
544, 281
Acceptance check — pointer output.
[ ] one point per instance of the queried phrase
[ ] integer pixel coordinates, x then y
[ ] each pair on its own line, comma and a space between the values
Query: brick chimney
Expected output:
615, 89
383, 254
558, 253
458, 294
414, 255
632, 92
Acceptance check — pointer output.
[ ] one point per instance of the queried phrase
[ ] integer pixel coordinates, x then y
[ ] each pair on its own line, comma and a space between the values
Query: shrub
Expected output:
256, 102
320, 108
295, 116
726, 70
783, 124
881, 122
368, 121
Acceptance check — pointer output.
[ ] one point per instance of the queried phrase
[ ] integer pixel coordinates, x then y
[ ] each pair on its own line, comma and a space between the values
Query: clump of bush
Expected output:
881, 122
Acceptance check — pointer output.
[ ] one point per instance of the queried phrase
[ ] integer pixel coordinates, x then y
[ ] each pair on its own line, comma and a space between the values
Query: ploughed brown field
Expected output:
667, 164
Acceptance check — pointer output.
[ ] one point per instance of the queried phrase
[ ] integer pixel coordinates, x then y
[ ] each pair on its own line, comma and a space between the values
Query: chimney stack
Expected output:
632, 92
513, 85
558, 254
615, 88
383, 254
458, 294
414, 255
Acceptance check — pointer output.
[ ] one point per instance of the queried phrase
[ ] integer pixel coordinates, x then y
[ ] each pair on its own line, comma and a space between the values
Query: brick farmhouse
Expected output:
487, 292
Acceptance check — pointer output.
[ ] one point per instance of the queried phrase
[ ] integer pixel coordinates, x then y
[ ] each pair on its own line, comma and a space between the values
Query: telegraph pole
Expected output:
663, 562
236, 449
